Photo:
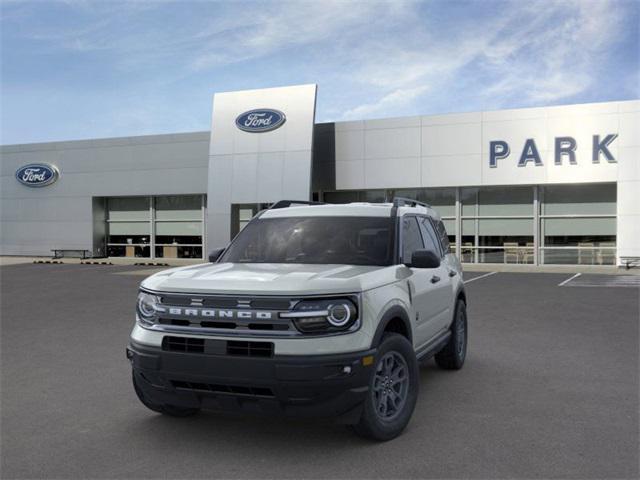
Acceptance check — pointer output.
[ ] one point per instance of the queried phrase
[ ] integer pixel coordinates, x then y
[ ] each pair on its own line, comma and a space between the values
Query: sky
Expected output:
79, 69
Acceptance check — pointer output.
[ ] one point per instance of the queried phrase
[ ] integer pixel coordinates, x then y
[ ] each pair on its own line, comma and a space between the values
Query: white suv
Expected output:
312, 309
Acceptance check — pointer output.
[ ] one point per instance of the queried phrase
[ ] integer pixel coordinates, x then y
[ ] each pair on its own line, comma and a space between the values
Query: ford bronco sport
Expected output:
312, 309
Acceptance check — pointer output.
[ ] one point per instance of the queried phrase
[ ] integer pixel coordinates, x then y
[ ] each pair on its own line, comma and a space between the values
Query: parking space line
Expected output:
569, 279
480, 276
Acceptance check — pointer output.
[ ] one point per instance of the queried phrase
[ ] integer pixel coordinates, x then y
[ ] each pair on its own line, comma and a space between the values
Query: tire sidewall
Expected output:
387, 429
461, 316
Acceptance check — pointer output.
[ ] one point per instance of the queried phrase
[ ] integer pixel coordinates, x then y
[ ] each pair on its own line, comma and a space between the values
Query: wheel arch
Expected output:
461, 295
395, 319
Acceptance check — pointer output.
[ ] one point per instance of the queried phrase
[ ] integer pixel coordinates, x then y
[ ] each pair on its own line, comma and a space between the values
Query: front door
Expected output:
430, 287
442, 295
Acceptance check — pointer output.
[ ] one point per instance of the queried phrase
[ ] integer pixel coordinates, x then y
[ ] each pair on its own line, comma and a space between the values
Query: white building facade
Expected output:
553, 185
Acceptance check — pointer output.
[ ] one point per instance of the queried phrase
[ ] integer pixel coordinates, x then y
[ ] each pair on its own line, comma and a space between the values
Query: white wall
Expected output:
246, 167
629, 180
453, 150
35, 220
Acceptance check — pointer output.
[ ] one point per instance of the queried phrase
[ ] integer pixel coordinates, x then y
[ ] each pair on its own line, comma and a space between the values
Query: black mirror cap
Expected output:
214, 255
424, 259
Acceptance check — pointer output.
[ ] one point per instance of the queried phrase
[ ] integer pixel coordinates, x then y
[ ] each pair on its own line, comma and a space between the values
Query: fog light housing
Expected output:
312, 324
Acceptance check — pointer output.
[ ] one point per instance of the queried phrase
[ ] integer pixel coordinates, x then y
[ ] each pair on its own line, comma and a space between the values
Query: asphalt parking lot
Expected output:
550, 390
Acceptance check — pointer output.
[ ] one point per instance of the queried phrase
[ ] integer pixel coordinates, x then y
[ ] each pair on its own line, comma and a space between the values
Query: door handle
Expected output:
435, 279
452, 273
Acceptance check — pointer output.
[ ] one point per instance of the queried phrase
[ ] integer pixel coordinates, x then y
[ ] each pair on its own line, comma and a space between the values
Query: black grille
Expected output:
231, 325
229, 389
183, 344
250, 349
217, 347
271, 303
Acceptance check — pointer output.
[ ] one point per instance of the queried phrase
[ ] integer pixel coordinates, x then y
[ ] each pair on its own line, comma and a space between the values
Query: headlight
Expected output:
324, 316
147, 306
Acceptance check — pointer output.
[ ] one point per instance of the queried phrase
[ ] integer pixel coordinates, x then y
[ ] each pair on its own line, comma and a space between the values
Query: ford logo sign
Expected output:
37, 175
260, 120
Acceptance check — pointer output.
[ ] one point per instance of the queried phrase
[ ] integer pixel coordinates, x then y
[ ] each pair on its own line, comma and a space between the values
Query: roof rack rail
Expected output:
288, 203
408, 202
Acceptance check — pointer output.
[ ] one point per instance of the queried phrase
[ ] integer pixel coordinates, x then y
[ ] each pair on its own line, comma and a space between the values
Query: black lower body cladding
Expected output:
314, 386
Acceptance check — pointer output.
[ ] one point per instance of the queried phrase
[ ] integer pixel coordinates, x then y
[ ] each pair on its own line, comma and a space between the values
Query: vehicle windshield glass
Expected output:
324, 240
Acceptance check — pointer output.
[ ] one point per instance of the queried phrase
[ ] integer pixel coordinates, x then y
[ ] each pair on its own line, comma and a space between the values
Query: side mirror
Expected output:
214, 255
424, 259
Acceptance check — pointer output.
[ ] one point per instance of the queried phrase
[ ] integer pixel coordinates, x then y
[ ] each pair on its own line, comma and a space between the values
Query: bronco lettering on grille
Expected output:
214, 313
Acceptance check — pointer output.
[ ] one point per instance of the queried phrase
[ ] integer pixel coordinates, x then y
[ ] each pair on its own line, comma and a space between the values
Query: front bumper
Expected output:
288, 385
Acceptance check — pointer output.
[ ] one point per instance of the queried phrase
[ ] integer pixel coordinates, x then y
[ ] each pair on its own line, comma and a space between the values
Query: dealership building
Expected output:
552, 185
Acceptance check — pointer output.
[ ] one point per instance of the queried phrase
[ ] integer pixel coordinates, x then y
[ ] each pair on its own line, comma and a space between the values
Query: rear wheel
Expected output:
452, 356
393, 390
171, 410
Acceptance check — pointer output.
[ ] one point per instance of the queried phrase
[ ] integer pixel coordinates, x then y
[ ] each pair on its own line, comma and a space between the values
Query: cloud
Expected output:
389, 102
258, 32
529, 53
555, 56
370, 58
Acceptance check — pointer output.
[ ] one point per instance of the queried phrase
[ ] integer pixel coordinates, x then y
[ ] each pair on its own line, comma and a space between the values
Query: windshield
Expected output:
325, 240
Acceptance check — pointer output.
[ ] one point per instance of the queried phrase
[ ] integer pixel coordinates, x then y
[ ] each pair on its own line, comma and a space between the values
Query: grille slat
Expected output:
225, 389
195, 323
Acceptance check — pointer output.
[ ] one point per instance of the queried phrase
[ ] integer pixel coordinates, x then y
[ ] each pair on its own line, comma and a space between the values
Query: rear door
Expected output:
442, 294
423, 284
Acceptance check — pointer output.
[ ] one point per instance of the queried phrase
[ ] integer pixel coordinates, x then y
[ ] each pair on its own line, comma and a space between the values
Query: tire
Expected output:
170, 410
452, 356
385, 415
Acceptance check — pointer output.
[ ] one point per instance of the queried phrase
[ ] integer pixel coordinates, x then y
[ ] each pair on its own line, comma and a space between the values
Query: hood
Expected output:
270, 278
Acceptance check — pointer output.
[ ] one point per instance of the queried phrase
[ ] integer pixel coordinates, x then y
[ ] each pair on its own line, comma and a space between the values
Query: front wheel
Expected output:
393, 390
452, 356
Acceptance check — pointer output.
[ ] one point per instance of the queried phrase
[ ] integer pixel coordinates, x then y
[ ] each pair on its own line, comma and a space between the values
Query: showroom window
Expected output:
129, 227
178, 226
442, 199
348, 196
497, 225
552, 224
155, 227
578, 224
242, 213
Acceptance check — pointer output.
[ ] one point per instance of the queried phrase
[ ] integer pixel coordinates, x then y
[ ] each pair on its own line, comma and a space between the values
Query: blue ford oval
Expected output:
260, 120
37, 175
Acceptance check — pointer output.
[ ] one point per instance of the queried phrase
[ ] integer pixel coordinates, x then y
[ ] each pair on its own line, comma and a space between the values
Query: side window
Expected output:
429, 235
444, 238
411, 238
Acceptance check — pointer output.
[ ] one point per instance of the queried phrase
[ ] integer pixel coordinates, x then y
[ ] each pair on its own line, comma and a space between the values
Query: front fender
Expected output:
395, 311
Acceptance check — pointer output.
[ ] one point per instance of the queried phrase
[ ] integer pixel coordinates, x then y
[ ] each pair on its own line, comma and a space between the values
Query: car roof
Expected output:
356, 209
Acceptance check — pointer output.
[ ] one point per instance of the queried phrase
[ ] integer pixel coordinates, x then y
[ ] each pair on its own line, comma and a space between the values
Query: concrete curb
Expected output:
511, 268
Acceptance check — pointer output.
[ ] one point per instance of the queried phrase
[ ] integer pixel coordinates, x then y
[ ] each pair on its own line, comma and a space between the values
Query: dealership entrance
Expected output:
169, 226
